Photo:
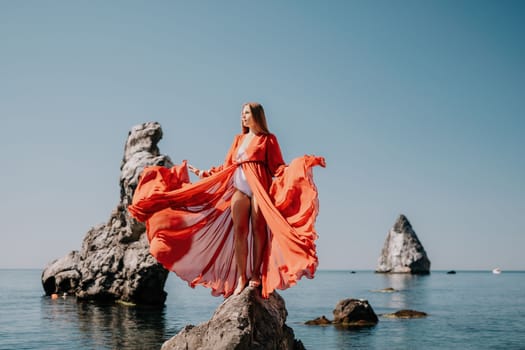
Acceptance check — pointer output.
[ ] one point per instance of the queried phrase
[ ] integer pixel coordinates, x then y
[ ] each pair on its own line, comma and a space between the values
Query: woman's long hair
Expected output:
258, 116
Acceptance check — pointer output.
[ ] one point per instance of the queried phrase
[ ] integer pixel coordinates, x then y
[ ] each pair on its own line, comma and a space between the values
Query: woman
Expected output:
201, 230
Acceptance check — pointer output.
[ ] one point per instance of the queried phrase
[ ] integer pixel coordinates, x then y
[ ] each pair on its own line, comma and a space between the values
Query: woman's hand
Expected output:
194, 170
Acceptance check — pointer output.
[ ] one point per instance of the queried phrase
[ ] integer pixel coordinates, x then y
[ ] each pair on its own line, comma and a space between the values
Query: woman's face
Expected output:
247, 118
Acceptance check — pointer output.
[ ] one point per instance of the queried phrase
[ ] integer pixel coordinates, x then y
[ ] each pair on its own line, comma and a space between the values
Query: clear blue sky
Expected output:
418, 107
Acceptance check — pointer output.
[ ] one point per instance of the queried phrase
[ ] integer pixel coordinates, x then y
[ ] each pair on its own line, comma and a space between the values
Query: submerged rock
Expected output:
403, 252
114, 262
406, 314
246, 321
385, 290
318, 321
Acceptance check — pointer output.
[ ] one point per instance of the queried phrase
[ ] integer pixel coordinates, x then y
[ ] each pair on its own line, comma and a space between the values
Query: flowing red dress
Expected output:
190, 228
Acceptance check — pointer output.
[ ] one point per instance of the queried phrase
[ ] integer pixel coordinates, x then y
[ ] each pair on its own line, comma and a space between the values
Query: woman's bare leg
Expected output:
241, 224
260, 238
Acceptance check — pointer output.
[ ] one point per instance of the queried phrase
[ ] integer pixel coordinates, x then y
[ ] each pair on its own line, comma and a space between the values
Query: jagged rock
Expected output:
246, 321
403, 252
114, 262
406, 314
354, 313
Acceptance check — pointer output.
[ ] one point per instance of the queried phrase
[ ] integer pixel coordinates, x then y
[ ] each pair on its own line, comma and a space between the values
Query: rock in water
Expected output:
406, 314
62, 275
354, 313
114, 262
246, 321
403, 252
319, 321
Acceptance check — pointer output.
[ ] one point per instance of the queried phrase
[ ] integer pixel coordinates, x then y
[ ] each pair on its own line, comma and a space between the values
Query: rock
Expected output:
385, 290
246, 321
319, 321
349, 313
114, 262
354, 313
403, 252
62, 275
451, 272
406, 314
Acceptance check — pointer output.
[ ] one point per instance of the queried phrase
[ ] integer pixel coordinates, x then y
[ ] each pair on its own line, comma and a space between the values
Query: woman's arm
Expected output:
274, 156
228, 160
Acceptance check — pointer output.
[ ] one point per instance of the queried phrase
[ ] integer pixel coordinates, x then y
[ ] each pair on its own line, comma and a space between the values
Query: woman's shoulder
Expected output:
237, 137
269, 136
272, 138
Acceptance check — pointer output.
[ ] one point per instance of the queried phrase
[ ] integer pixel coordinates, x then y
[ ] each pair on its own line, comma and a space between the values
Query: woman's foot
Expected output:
255, 282
241, 284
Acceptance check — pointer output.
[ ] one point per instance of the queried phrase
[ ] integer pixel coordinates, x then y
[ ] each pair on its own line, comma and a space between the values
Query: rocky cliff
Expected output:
114, 262
403, 252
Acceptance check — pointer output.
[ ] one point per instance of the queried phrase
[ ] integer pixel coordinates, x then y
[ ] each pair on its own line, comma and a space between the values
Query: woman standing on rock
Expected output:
201, 231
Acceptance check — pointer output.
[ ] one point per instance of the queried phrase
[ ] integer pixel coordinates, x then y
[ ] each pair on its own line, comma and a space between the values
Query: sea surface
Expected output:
468, 310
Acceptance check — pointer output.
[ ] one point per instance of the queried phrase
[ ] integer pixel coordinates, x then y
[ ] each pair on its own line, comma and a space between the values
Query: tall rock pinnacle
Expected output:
114, 262
403, 252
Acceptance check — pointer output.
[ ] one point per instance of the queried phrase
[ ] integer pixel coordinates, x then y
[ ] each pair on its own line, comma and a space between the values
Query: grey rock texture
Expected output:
403, 252
354, 313
246, 321
114, 262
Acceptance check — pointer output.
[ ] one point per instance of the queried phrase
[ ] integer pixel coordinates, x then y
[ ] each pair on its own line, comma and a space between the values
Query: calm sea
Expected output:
469, 310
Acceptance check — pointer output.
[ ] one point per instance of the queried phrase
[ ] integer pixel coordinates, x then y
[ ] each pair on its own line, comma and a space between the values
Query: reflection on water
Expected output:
409, 290
126, 327
113, 326
346, 338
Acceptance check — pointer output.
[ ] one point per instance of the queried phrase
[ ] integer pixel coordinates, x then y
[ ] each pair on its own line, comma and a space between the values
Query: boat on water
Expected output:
496, 271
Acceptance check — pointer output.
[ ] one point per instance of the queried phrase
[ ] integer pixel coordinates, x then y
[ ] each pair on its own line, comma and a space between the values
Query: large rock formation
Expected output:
403, 252
114, 262
242, 322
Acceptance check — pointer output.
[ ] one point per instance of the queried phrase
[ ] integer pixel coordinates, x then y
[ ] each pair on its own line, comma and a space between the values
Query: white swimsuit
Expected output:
239, 178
